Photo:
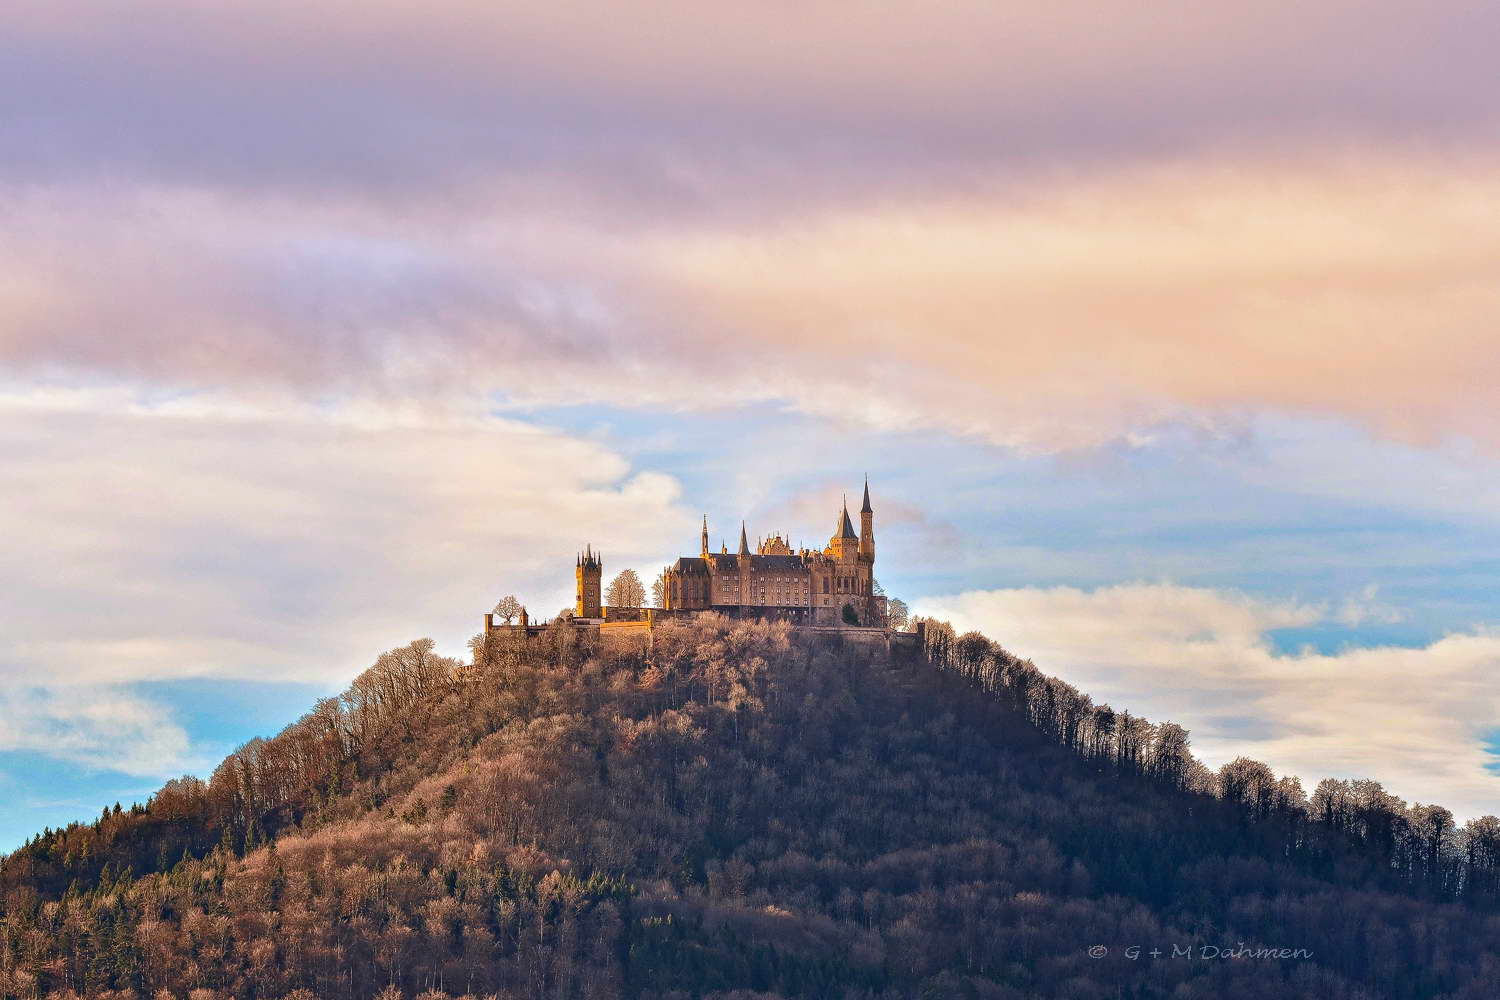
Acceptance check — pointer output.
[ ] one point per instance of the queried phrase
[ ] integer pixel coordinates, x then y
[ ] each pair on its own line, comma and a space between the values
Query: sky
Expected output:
1168, 337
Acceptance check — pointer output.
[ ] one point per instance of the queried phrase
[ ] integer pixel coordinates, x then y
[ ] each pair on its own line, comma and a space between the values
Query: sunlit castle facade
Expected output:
830, 586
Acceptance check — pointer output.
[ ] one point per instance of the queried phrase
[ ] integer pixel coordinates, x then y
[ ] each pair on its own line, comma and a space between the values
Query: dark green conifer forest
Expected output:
740, 810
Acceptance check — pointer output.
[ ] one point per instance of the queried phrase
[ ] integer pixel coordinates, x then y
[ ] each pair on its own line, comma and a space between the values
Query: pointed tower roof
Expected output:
744, 542
866, 508
846, 527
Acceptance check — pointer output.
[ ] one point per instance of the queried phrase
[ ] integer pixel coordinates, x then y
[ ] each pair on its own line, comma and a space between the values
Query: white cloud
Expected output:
1414, 718
1365, 607
99, 727
293, 544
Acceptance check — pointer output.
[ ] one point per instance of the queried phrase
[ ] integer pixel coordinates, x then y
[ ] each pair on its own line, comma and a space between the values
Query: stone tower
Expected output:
867, 527
590, 577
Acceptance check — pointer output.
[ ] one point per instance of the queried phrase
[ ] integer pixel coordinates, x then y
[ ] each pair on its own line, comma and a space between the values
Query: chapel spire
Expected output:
867, 527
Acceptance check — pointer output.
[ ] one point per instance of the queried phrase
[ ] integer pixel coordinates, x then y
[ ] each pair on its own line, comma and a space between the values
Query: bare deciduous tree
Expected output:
509, 608
625, 591
897, 613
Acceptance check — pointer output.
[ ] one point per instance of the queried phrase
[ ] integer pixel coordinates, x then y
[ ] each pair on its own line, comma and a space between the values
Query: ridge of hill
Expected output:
738, 809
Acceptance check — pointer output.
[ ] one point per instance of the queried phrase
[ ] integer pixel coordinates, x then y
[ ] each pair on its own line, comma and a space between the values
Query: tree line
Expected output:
1418, 846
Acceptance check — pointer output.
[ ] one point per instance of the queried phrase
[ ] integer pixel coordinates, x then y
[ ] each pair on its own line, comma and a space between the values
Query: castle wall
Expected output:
858, 634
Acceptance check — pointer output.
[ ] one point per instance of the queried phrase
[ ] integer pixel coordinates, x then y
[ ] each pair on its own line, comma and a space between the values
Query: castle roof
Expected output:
730, 563
866, 508
846, 527
779, 563
690, 564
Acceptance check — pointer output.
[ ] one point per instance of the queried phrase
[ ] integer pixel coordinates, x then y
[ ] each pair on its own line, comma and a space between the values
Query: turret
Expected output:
590, 602
867, 527
844, 541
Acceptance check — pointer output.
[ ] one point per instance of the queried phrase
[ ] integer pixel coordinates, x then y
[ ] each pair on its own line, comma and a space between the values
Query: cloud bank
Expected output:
675, 103
995, 219
1062, 312
1414, 718
193, 540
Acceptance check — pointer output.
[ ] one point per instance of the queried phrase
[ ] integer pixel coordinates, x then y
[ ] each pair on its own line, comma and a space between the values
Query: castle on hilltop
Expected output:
828, 586
832, 587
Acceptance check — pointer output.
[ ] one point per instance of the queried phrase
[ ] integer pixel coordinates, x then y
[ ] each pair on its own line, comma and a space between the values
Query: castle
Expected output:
819, 591
832, 586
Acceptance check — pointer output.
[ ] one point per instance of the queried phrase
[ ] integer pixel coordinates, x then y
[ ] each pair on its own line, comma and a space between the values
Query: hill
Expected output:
742, 810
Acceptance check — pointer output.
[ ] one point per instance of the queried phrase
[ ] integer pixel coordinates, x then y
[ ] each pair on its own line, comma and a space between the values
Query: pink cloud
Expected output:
1079, 308
1056, 311
1050, 226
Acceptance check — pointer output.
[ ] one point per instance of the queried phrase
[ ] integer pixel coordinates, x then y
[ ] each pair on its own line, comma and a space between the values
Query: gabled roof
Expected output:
690, 564
729, 563
778, 563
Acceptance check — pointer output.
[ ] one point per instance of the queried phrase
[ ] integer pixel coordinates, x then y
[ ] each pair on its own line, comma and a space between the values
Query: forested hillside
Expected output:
742, 810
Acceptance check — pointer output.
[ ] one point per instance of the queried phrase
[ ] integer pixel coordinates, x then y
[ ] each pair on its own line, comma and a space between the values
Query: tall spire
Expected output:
705, 535
744, 542
867, 526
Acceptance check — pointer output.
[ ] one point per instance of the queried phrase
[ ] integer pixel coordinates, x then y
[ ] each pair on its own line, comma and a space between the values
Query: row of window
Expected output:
783, 590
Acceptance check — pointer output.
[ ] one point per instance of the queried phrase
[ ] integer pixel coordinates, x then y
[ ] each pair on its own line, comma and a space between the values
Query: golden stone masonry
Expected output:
831, 586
